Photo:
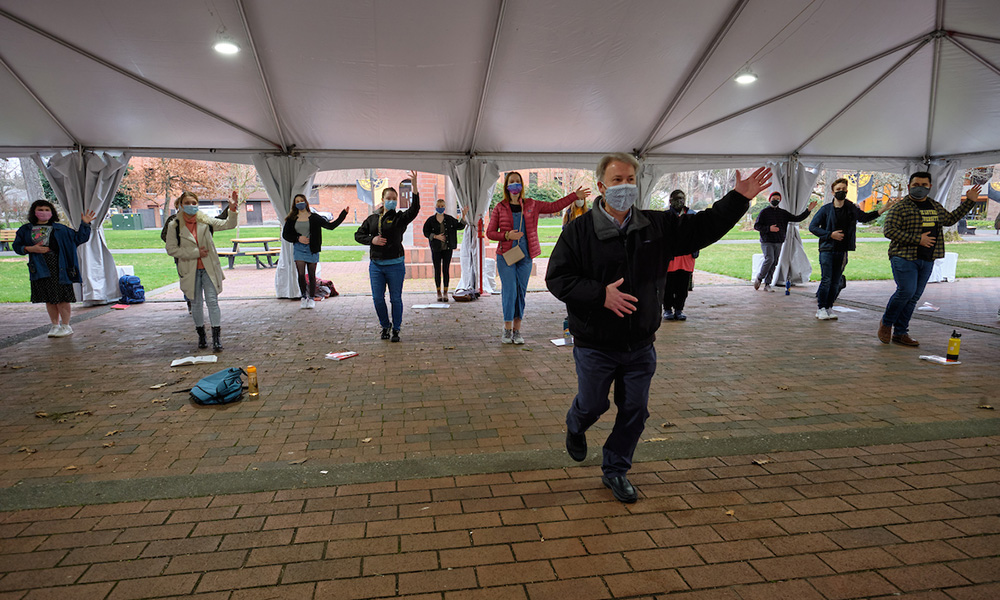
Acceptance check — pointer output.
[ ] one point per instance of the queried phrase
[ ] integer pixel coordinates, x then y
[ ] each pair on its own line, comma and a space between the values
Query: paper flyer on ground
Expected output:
939, 359
341, 355
437, 305
194, 360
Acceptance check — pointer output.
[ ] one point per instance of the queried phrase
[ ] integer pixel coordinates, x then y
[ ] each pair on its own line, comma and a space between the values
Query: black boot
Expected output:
216, 339
202, 342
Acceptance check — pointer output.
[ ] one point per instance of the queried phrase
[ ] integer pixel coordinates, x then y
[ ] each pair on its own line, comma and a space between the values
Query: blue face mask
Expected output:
190, 209
919, 192
514, 188
622, 197
439, 210
389, 204
300, 205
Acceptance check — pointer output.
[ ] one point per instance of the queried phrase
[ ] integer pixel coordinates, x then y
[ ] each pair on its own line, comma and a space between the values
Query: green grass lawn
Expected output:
123, 239
869, 261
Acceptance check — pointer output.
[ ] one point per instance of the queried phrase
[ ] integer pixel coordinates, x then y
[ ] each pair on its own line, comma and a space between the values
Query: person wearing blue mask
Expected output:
189, 240
383, 231
610, 268
441, 230
914, 227
304, 229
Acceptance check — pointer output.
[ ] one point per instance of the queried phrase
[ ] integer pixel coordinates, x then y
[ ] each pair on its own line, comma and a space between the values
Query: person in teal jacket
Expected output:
53, 265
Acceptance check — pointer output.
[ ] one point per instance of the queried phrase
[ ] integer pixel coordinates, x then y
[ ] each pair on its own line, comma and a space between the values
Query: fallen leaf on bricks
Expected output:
157, 386
658, 439
16, 367
108, 444
366, 440
297, 462
310, 358
783, 387
159, 401
760, 461
111, 433
986, 406
668, 424
71, 468
112, 406
60, 420
41, 415
730, 513
27, 450
449, 347
83, 413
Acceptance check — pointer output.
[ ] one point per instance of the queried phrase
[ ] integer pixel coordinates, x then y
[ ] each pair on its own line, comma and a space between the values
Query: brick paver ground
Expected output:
447, 477
912, 520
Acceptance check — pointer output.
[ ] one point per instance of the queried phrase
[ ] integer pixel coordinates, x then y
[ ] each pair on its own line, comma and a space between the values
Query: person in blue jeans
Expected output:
383, 231
914, 226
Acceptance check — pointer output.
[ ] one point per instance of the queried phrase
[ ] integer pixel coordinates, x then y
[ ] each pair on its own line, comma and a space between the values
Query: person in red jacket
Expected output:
514, 222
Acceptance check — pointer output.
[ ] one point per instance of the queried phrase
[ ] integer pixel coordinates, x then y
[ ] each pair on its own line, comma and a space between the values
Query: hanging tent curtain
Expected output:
473, 180
795, 181
649, 174
83, 182
284, 177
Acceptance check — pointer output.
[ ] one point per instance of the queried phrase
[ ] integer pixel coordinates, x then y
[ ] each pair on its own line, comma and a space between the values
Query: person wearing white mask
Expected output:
610, 267
575, 211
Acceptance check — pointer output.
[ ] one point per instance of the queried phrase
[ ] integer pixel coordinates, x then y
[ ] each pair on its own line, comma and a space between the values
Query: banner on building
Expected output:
993, 191
369, 189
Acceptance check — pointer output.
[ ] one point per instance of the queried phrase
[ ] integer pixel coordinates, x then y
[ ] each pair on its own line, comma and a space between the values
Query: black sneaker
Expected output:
576, 446
385, 333
395, 335
679, 316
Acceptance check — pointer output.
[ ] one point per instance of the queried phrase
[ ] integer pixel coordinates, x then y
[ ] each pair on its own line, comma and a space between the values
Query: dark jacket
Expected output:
825, 222
451, 228
773, 215
66, 239
317, 223
593, 252
393, 226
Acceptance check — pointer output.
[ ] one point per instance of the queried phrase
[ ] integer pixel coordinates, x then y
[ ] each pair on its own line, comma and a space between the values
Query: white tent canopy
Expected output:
421, 84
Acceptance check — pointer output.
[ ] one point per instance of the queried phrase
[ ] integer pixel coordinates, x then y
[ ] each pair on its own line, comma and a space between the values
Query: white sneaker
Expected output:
54, 330
310, 303
63, 331
822, 315
516, 337
767, 287
304, 303
507, 338
830, 315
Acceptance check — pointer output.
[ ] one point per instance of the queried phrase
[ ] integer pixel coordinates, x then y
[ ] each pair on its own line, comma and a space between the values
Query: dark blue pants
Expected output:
911, 278
632, 373
391, 276
832, 281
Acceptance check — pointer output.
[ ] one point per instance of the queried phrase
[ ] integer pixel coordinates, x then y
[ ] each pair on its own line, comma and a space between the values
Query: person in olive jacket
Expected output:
304, 229
610, 268
442, 231
383, 231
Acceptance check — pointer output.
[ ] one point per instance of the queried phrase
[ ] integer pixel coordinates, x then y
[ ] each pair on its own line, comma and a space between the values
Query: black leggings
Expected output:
300, 266
676, 291
442, 266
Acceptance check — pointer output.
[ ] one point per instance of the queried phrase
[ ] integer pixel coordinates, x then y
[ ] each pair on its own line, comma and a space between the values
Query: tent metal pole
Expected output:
972, 36
487, 76
864, 93
975, 55
34, 96
935, 74
263, 76
734, 14
132, 76
922, 39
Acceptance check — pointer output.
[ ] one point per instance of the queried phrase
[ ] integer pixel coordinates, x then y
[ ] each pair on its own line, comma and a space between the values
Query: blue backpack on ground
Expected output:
131, 289
219, 388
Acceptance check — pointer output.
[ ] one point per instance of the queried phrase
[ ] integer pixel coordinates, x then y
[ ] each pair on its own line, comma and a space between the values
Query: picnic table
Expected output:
265, 259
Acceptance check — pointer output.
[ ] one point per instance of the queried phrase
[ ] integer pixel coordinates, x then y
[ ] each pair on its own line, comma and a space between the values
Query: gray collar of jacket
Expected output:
607, 230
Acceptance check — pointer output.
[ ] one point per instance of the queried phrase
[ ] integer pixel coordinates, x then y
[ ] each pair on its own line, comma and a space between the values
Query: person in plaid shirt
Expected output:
913, 226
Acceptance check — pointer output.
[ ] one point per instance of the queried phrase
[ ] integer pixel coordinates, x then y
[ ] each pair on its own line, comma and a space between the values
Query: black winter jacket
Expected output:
776, 216
593, 252
393, 226
451, 229
316, 223
825, 223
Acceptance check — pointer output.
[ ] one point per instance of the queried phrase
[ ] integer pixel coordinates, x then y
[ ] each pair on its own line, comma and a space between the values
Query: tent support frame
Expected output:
487, 76
975, 55
263, 76
34, 96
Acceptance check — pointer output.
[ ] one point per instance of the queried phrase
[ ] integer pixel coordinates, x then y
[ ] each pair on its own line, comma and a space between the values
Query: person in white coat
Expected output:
189, 240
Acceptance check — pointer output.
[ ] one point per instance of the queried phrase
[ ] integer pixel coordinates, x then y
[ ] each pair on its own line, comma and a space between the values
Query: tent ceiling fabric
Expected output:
392, 79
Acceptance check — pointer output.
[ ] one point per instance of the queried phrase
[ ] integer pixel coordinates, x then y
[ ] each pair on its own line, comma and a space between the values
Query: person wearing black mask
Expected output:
680, 270
835, 224
383, 231
913, 227
772, 222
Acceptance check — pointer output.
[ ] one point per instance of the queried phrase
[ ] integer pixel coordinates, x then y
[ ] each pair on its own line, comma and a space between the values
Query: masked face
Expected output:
43, 215
439, 210
300, 205
775, 200
389, 204
621, 197
919, 191
840, 194
190, 209
579, 203
677, 203
514, 188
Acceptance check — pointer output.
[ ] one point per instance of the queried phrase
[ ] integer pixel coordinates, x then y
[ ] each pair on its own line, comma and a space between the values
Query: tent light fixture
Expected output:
746, 76
225, 43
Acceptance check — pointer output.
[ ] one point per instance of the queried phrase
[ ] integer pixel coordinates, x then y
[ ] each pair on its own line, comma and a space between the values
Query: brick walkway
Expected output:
434, 468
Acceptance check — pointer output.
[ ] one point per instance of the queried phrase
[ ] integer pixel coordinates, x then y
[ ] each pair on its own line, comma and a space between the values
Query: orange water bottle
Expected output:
953, 345
252, 387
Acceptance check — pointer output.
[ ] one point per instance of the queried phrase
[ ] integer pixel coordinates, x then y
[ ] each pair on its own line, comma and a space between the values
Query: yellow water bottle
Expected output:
252, 382
953, 345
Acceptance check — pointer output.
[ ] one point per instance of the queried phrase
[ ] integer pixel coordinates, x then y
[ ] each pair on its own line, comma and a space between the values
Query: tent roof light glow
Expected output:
226, 45
745, 76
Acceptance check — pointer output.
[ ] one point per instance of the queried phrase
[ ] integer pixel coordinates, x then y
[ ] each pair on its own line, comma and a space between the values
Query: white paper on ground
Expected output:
939, 359
562, 342
438, 305
194, 360
928, 306
843, 309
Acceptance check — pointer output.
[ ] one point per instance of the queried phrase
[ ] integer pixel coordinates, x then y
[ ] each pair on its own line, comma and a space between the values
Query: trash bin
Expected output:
126, 221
